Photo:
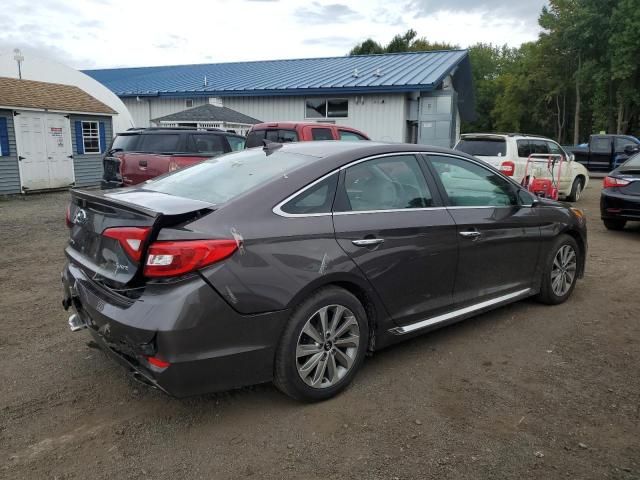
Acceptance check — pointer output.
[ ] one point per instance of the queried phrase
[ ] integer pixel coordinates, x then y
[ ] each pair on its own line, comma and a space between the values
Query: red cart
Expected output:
542, 174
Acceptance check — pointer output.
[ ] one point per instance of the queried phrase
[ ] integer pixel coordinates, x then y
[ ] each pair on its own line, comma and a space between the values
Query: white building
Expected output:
418, 97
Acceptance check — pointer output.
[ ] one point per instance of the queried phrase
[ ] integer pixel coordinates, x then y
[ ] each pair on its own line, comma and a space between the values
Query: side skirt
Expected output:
461, 312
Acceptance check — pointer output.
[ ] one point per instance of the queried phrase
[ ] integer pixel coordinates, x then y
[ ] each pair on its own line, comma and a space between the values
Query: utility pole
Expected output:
19, 58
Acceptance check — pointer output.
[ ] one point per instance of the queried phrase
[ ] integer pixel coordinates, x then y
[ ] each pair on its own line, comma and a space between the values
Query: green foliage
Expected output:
581, 76
407, 42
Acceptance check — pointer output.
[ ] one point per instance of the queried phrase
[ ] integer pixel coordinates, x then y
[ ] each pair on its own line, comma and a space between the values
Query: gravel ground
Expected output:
526, 391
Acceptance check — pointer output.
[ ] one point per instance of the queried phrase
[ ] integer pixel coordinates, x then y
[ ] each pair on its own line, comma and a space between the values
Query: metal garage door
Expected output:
44, 149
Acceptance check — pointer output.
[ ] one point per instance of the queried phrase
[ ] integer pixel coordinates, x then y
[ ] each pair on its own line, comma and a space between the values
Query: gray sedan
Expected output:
289, 263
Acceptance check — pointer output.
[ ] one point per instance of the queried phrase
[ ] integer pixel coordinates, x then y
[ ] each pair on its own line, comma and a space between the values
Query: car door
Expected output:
498, 236
600, 153
566, 177
388, 217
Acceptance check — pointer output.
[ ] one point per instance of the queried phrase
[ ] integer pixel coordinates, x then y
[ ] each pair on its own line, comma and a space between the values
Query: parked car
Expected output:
620, 197
283, 132
509, 154
606, 152
290, 262
138, 155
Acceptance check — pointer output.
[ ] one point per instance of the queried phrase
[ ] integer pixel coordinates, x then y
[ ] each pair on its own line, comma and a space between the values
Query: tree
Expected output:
407, 42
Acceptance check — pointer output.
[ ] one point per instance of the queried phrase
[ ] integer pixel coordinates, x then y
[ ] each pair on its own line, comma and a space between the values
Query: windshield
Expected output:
483, 147
220, 179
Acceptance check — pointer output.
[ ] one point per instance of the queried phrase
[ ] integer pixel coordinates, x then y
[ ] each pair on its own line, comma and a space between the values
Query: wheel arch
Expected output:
358, 287
583, 249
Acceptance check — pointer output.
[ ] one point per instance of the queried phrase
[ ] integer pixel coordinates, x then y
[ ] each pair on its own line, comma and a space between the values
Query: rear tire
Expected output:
576, 190
560, 271
612, 224
322, 346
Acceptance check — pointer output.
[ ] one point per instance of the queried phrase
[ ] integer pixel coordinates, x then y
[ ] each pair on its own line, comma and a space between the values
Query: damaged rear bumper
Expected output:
209, 346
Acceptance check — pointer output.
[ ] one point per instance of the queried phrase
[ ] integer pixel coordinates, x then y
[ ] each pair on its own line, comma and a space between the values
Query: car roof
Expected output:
290, 124
516, 136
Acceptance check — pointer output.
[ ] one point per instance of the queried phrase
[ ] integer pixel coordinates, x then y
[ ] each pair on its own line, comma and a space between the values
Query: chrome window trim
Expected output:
278, 208
457, 313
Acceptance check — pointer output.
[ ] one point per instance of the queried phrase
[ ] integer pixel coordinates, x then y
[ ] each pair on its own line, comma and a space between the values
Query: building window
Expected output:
90, 137
327, 108
188, 103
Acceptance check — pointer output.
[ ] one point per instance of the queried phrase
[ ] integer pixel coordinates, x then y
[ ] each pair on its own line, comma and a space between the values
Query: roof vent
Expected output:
205, 81
377, 73
355, 73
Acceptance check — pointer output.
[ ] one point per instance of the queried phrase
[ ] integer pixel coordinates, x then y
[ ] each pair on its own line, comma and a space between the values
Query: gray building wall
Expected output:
382, 116
9, 170
88, 167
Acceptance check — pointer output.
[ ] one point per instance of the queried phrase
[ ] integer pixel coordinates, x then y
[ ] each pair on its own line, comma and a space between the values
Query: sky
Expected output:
117, 33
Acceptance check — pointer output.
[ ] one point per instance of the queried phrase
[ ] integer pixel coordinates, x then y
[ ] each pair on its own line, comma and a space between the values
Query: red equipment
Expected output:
546, 182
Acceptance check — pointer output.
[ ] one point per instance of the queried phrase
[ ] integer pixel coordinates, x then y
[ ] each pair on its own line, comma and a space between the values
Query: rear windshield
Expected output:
483, 147
632, 164
220, 179
158, 143
125, 143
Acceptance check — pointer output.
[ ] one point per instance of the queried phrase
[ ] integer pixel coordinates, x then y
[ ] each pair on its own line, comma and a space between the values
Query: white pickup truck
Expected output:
509, 154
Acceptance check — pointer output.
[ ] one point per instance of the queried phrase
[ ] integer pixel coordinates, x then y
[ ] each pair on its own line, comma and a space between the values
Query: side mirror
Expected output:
630, 149
572, 157
527, 199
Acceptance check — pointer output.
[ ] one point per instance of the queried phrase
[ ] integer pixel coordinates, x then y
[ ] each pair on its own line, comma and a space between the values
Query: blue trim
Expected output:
283, 93
103, 140
79, 141
4, 138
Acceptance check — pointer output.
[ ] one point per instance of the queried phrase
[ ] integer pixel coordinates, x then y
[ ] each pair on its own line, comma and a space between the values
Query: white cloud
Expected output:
110, 33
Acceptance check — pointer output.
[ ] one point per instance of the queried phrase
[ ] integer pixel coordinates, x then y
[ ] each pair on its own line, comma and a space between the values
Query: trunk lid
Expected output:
633, 176
91, 213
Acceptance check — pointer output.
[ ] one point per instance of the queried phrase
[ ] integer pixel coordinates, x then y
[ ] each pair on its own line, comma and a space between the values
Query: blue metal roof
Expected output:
399, 72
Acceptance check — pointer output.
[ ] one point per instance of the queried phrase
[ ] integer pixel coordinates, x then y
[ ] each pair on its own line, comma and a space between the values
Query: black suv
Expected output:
138, 155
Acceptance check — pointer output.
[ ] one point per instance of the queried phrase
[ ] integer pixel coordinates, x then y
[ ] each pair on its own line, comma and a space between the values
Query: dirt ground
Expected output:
526, 391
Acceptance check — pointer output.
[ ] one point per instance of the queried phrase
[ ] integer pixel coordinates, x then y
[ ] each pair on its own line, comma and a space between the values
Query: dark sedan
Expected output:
620, 197
289, 263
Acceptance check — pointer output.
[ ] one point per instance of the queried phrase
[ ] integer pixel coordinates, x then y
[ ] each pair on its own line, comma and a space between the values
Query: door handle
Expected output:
142, 163
472, 234
368, 242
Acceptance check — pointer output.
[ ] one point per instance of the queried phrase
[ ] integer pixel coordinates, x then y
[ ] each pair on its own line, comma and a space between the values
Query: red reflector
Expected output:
131, 239
156, 362
611, 182
614, 210
508, 168
68, 217
170, 259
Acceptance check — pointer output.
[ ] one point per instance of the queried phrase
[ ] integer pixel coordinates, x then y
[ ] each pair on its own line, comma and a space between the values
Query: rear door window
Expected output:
601, 145
539, 147
159, 143
388, 183
524, 148
483, 147
321, 134
207, 143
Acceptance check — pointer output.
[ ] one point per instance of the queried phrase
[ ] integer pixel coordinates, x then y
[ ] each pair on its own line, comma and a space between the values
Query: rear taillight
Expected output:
611, 182
158, 363
170, 259
68, 217
131, 239
173, 165
508, 168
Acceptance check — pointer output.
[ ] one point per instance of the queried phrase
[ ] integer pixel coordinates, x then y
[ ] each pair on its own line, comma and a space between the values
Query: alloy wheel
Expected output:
563, 271
578, 191
327, 346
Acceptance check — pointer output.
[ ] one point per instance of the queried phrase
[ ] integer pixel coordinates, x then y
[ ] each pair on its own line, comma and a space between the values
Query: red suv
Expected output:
138, 155
282, 132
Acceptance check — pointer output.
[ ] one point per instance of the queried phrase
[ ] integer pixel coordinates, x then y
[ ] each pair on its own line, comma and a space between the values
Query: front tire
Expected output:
323, 346
612, 224
560, 272
576, 190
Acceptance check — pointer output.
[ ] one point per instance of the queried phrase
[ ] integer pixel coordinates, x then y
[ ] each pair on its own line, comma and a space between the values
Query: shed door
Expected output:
44, 146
